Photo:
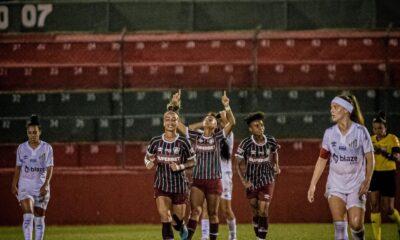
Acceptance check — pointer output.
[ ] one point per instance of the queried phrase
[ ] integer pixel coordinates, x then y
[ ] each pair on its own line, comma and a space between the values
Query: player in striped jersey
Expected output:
383, 183
171, 154
257, 164
31, 182
207, 171
348, 147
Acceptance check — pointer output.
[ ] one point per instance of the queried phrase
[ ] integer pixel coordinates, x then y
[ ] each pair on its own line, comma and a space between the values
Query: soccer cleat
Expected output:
183, 233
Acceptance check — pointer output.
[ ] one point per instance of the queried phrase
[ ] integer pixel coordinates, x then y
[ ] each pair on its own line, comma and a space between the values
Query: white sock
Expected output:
205, 228
39, 228
27, 226
232, 228
341, 230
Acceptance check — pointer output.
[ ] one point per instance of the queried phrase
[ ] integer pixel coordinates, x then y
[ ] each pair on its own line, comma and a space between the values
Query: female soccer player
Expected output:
348, 146
257, 164
31, 182
207, 171
227, 185
171, 154
383, 183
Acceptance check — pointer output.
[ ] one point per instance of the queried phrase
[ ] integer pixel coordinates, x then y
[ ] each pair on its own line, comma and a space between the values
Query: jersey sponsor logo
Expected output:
34, 169
258, 160
167, 159
343, 158
206, 147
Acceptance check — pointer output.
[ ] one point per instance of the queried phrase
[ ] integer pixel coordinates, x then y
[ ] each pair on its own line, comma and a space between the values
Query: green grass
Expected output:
138, 232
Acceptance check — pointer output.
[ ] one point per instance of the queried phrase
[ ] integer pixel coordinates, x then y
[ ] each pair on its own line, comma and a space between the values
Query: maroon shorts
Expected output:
263, 193
208, 186
177, 198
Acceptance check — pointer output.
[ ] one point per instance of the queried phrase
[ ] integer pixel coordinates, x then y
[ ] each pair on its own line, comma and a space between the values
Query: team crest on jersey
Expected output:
201, 140
176, 150
42, 157
211, 141
353, 144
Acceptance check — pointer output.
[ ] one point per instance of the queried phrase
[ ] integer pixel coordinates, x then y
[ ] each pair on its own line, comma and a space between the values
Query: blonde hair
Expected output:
356, 115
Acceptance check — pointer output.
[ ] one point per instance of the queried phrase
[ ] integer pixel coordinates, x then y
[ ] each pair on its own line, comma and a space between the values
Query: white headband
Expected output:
340, 101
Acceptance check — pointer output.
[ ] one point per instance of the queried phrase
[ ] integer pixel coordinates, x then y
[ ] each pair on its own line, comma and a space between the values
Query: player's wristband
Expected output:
181, 167
147, 162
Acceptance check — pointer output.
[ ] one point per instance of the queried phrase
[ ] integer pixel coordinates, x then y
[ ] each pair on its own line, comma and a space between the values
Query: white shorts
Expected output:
38, 201
351, 199
227, 186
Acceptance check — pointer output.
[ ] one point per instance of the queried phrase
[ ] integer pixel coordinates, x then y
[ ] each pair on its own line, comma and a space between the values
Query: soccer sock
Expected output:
255, 225
27, 226
232, 228
341, 230
357, 235
39, 228
376, 225
395, 217
192, 224
205, 228
213, 231
167, 232
262, 227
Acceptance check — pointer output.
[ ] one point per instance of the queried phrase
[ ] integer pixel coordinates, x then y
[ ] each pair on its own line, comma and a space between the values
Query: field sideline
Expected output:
145, 232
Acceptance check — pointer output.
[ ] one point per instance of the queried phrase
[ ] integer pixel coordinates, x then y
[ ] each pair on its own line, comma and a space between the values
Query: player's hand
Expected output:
176, 98
277, 169
247, 184
225, 100
44, 189
364, 187
396, 156
310, 194
174, 167
14, 190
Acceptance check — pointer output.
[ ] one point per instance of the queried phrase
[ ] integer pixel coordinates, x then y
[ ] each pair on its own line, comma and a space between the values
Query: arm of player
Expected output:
239, 163
14, 184
195, 126
45, 188
229, 115
368, 173
180, 167
275, 160
149, 161
318, 170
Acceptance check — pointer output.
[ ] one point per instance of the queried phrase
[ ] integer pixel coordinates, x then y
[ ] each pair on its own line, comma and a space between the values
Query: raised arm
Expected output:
318, 170
229, 115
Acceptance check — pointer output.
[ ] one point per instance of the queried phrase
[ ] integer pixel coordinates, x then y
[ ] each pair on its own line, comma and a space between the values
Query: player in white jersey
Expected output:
31, 182
348, 147
227, 186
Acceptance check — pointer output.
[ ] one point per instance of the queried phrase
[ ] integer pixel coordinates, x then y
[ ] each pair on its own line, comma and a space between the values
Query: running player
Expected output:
227, 185
348, 147
383, 183
171, 154
31, 182
207, 171
257, 165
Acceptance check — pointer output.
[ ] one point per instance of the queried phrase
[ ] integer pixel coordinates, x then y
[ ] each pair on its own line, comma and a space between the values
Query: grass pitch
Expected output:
146, 232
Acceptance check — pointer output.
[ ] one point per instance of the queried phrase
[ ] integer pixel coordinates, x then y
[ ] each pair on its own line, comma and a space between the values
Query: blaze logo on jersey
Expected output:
350, 159
34, 169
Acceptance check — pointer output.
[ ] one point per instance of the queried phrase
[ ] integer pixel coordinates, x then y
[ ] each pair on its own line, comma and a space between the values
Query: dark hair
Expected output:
224, 148
380, 118
356, 115
33, 121
253, 117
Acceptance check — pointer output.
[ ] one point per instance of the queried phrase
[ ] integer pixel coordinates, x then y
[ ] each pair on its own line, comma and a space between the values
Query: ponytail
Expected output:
356, 115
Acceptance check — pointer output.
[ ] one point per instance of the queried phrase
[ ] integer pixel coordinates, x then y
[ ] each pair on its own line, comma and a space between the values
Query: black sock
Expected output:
213, 231
255, 225
262, 227
192, 224
167, 231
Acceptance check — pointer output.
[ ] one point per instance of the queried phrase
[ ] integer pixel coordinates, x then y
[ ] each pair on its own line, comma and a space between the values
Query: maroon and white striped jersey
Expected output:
165, 153
208, 157
259, 169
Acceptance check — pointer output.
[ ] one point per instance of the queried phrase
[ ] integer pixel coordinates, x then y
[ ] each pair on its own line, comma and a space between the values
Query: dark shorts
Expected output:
384, 182
208, 186
177, 198
263, 193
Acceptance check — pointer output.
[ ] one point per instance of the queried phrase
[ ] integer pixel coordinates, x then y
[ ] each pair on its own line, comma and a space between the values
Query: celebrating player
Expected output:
171, 154
348, 146
31, 182
383, 183
257, 164
207, 171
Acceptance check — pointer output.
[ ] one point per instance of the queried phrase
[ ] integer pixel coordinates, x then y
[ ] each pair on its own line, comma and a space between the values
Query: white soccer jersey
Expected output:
226, 164
347, 157
34, 164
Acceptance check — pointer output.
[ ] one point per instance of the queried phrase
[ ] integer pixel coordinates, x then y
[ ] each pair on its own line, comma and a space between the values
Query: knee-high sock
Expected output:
39, 228
27, 225
232, 229
167, 232
376, 221
341, 230
191, 226
255, 225
262, 227
395, 217
205, 228
357, 235
213, 231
